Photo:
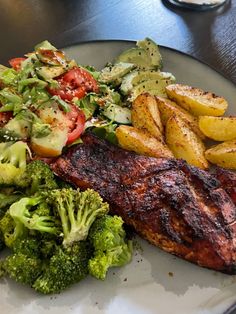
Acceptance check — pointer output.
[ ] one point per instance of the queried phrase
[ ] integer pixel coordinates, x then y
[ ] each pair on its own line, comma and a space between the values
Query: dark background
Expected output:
210, 36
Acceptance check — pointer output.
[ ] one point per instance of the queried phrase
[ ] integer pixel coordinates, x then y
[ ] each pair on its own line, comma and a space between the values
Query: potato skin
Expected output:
184, 143
145, 115
168, 108
218, 128
141, 142
197, 101
223, 155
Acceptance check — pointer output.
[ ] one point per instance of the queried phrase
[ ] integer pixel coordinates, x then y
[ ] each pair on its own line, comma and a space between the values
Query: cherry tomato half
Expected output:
75, 133
74, 83
16, 63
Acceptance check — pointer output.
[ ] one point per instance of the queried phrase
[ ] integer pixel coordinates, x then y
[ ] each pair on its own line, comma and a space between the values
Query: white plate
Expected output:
155, 282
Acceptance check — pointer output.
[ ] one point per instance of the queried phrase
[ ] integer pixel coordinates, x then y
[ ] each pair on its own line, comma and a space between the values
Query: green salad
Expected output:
57, 235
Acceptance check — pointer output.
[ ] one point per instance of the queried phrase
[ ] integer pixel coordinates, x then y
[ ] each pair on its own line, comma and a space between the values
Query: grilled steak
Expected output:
228, 180
177, 207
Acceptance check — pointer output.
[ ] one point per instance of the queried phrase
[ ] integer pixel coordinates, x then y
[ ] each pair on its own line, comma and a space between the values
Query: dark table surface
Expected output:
210, 36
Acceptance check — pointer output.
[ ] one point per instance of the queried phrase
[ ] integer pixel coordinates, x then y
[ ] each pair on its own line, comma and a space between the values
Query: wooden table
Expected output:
209, 36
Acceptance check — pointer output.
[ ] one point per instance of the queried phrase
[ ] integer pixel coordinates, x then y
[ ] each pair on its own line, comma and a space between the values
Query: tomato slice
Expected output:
75, 133
74, 83
16, 63
66, 93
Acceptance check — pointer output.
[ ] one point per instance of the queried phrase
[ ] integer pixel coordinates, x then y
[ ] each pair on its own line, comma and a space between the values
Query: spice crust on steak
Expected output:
177, 207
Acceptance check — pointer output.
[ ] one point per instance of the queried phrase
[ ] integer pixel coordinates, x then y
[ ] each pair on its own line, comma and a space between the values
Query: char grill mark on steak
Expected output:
228, 179
177, 207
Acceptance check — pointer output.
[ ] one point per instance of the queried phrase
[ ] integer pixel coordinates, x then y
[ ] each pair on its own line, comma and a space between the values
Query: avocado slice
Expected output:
152, 50
49, 72
135, 77
45, 45
137, 56
154, 87
9, 136
118, 114
115, 72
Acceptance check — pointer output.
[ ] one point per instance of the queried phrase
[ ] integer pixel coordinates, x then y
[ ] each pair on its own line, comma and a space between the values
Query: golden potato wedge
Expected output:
184, 143
197, 101
145, 115
223, 155
218, 128
169, 108
141, 142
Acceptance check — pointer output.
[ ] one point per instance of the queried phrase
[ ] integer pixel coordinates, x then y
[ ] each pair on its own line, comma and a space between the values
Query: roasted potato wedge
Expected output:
223, 155
145, 115
169, 108
196, 101
184, 143
218, 128
141, 142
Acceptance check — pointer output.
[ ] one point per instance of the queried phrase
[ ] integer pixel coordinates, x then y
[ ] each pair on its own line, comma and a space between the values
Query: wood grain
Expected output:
209, 36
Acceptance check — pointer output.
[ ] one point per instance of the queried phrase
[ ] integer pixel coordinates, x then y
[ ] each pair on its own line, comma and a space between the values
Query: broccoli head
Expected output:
48, 247
22, 268
37, 176
77, 211
29, 246
7, 200
10, 230
12, 161
66, 267
110, 246
24, 212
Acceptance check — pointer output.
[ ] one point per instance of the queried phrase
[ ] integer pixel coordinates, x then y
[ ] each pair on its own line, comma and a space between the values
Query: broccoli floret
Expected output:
7, 200
24, 212
22, 268
66, 267
29, 246
10, 230
110, 246
48, 248
77, 211
37, 176
12, 162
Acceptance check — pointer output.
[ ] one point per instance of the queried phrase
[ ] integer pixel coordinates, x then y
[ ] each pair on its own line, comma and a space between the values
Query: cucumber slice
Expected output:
134, 78
49, 72
152, 50
137, 56
154, 87
118, 114
116, 72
